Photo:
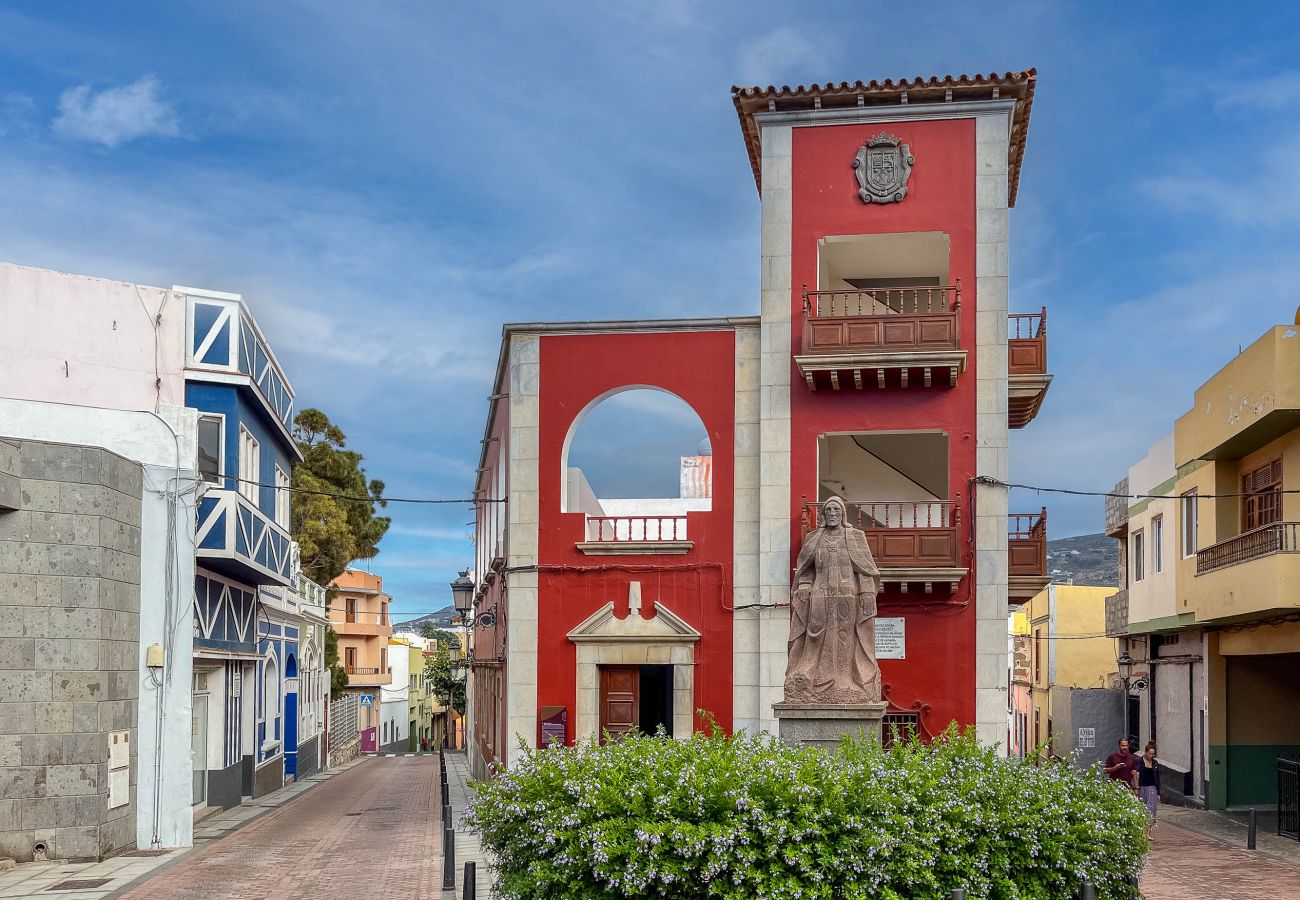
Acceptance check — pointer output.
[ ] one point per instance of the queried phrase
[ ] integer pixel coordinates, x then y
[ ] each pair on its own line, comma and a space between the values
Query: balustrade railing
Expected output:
1027, 326
1027, 543
870, 515
1278, 537
635, 529
883, 301
361, 670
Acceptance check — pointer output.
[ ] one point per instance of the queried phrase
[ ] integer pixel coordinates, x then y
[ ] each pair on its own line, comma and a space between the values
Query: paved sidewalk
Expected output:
1184, 865
468, 847
115, 874
372, 831
1230, 827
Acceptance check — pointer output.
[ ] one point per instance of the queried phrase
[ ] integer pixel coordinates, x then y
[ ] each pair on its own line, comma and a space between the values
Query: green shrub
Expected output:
750, 817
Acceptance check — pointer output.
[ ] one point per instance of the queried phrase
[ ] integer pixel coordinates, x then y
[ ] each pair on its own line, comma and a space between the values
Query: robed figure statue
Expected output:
833, 616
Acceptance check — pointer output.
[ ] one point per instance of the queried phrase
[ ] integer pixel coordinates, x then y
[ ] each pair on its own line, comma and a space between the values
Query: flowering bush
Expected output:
749, 817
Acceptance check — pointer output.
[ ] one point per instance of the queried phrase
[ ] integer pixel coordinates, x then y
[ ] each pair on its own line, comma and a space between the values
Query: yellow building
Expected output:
1237, 576
1067, 648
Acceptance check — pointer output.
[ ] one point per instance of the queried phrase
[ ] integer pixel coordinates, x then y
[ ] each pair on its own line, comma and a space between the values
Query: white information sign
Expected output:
891, 638
1087, 738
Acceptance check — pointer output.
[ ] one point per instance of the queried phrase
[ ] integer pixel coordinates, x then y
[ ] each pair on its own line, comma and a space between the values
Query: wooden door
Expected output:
620, 700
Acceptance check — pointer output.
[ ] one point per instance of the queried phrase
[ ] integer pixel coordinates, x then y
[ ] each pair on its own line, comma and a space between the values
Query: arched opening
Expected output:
634, 452
271, 698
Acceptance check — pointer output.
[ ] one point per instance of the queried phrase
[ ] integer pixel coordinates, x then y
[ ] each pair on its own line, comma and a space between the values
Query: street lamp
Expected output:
462, 592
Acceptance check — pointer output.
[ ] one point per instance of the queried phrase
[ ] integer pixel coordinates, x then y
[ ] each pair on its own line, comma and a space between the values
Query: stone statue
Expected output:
833, 616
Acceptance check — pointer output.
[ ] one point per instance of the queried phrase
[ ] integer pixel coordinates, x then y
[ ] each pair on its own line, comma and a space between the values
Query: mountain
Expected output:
440, 619
1091, 559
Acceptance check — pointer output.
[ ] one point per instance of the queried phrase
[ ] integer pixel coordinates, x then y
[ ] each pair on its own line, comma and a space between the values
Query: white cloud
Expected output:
771, 57
115, 115
1271, 93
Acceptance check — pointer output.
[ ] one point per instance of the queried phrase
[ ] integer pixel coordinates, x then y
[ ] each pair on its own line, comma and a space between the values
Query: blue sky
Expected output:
387, 183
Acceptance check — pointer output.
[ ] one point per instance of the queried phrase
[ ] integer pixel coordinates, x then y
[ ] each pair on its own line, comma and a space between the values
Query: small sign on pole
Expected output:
367, 699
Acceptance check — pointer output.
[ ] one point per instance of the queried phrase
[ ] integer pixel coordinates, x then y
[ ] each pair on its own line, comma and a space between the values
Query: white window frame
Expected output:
250, 465
1137, 555
281, 498
1157, 540
270, 691
221, 447
1190, 509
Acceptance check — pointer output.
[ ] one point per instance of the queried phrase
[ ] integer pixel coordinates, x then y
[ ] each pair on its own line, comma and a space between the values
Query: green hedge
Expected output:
750, 817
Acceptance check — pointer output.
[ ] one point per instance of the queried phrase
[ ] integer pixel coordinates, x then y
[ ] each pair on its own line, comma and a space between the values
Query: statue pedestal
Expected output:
823, 724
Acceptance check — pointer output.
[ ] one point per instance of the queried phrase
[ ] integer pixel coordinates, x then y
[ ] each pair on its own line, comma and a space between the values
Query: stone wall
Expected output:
69, 649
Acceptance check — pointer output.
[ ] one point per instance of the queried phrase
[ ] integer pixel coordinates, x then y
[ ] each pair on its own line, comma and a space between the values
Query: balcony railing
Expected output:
1279, 537
1027, 343
361, 670
1027, 543
635, 529
885, 319
235, 538
903, 535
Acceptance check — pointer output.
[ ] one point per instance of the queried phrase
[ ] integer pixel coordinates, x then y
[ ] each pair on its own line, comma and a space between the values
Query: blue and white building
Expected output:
253, 638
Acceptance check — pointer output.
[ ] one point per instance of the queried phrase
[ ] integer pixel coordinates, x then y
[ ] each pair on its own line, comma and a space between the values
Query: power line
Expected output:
473, 501
994, 482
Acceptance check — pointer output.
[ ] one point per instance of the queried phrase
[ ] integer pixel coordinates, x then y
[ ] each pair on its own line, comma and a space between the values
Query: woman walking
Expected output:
1147, 779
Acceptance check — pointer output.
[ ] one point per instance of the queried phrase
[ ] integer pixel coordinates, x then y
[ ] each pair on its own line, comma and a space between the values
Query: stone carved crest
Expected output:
883, 166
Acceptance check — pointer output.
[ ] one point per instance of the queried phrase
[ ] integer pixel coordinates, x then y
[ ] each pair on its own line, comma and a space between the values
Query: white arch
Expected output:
270, 694
578, 419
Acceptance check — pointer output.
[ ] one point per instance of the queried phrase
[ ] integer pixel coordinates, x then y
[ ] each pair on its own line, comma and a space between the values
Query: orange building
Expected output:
358, 613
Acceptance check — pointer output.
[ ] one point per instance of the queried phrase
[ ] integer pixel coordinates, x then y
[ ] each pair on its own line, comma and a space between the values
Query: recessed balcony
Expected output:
236, 539
913, 543
882, 336
1252, 574
1027, 378
1026, 555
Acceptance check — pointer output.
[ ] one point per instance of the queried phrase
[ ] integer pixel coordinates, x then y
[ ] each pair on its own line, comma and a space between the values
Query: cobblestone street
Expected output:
373, 831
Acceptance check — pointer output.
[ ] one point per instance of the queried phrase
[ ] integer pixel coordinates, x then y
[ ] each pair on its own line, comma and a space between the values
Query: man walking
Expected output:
1121, 766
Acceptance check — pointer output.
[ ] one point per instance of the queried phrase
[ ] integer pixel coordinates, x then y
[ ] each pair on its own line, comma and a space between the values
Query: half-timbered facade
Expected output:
249, 635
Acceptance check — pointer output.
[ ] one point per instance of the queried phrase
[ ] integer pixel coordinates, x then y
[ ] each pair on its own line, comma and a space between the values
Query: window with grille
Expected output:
898, 726
1262, 504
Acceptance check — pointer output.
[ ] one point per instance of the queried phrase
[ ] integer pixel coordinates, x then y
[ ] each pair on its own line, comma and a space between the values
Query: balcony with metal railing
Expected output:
1249, 575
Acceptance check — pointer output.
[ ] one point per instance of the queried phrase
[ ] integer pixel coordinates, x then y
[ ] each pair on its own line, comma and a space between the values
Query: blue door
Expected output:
291, 717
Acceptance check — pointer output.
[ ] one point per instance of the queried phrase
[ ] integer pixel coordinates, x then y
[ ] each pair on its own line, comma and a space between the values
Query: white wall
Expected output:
166, 544
89, 341
1154, 596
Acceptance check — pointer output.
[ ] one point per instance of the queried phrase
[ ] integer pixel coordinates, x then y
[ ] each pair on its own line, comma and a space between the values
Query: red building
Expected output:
883, 367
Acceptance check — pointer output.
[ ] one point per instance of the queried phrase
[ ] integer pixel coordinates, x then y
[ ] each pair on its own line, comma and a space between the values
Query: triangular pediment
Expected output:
665, 626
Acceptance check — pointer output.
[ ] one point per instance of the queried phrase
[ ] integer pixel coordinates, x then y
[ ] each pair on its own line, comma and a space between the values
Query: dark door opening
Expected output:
1134, 724
635, 698
657, 699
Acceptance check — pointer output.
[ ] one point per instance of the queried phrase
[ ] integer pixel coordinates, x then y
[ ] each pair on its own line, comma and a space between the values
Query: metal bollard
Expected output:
958, 894
1089, 892
1251, 824
448, 860
471, 884
446, 816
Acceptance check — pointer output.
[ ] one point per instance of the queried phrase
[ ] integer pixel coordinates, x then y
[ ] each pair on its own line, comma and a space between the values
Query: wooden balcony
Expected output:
1027, 378
1026, 555
912, 542
882, 336
635, 535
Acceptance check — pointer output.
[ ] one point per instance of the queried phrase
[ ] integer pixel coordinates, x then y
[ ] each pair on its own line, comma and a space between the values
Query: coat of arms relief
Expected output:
883, 166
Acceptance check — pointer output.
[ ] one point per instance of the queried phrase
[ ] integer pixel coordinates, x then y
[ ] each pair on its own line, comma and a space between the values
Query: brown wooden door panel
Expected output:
620, 700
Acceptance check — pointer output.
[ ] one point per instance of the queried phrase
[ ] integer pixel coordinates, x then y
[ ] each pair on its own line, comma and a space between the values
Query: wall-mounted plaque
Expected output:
891, 638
